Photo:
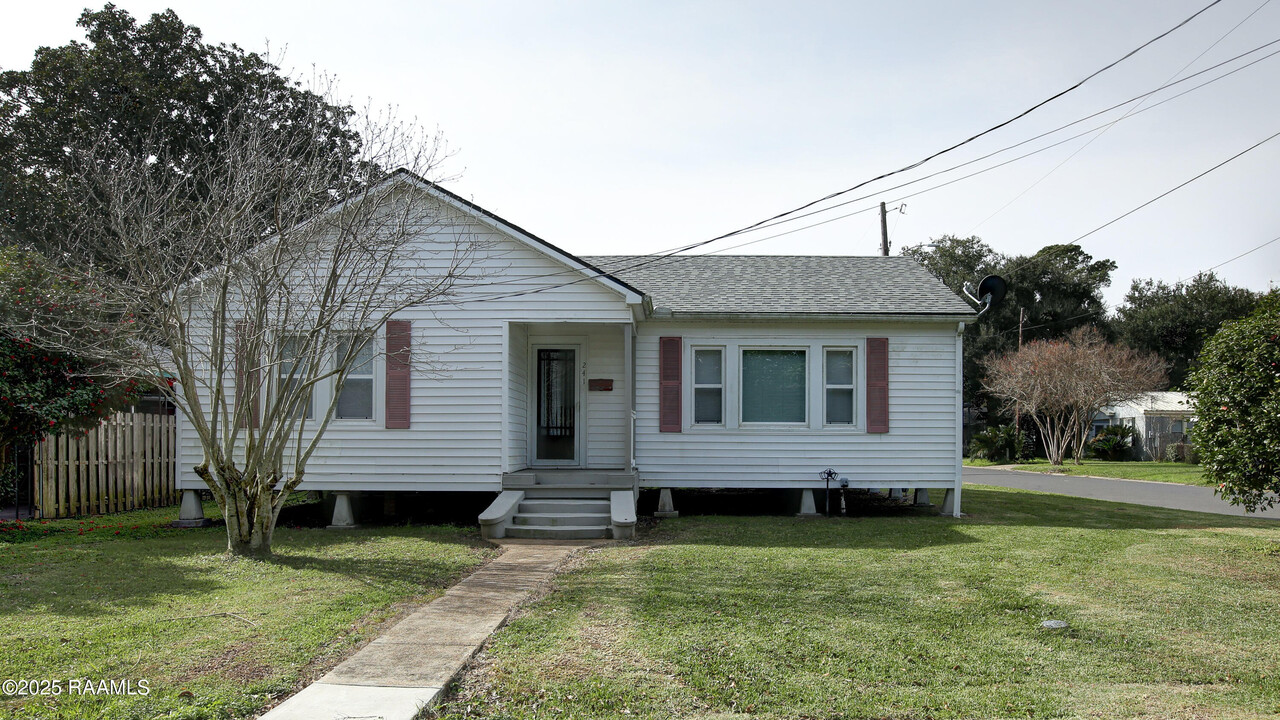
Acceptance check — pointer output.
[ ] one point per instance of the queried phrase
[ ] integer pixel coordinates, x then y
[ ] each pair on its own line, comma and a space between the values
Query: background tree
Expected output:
1174, 321
1236, 393
1060, 288
156, 85
1062, 384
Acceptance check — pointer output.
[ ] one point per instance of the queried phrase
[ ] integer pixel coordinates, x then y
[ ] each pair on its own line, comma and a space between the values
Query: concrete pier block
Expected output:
191, 514
808, 508
343, 518
895, 493
922, 497
666, 509
951, 504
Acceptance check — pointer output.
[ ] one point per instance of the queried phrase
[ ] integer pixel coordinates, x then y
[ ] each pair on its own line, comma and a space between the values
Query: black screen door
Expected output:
557, 398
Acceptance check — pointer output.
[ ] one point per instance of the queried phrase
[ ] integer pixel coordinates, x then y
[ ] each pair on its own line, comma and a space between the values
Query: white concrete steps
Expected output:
569, 518
563, 504
558, 532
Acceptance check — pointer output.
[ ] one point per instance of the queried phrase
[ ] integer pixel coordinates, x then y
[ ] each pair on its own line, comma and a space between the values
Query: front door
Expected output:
555, 426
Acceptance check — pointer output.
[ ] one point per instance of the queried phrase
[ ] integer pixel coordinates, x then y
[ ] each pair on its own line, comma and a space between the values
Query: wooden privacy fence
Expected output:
125, 463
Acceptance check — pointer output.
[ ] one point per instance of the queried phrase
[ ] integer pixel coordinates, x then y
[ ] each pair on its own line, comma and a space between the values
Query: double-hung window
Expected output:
289, 375
839, 382
355, 401
774, 386
708, 386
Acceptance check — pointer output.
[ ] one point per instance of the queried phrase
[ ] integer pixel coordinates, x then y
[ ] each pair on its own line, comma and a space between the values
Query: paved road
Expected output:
1140, 492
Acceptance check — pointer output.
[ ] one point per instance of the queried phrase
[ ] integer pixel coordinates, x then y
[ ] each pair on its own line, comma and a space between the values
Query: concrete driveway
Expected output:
1139, 492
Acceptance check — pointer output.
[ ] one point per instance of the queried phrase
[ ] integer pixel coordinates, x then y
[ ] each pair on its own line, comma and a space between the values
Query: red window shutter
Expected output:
669, 374
248, 384
877, 385
398, 376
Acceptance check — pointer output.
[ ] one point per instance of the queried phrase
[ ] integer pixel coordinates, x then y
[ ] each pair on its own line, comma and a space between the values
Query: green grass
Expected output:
981, 462
1181, 473
1172, 615
78, 600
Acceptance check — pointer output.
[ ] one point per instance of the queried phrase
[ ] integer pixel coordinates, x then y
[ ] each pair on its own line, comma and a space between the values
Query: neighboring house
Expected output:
1157, 418
618, 373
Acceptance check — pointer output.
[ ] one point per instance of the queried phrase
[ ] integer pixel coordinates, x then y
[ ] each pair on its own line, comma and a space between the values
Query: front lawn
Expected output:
1172, 615
1181, 473
125, 598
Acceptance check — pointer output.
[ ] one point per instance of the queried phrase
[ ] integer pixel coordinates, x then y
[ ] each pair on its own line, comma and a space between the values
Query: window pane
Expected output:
290, 346
839, 367
773, 385
356, 399
363, 364
840, 407
706, 367
707, 405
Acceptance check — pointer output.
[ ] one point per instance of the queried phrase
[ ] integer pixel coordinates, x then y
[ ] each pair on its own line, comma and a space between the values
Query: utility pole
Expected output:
884, 231
1017, 408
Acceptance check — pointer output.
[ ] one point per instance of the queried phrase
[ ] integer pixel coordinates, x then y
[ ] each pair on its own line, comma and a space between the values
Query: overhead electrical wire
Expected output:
672, 254
766, 222
1131, 111
976, 136
1161, 196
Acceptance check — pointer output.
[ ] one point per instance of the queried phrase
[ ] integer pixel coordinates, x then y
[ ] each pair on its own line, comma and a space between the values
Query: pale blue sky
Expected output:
613, 128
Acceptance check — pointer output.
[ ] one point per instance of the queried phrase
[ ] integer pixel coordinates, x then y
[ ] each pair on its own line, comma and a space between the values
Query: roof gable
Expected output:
588, 271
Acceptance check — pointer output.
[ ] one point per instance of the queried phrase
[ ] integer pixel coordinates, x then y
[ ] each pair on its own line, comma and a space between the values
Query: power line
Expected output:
778, 219
1246, 252
970, 139
1061, 128
1131, 111
672, 254
1162, 195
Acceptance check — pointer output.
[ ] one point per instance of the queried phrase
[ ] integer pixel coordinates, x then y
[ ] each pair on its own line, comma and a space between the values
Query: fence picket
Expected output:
126, 463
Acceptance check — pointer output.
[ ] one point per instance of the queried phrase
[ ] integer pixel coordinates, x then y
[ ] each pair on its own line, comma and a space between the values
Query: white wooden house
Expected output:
1158, 418
588, 378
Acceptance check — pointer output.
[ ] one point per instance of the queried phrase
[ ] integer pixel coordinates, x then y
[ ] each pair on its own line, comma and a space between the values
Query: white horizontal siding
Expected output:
920, 446
460, 393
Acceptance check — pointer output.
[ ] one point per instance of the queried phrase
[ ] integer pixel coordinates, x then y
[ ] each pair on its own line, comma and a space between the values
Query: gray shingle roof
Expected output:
786, 284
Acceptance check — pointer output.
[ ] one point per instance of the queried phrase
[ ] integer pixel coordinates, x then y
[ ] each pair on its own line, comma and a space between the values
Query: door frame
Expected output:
578, 344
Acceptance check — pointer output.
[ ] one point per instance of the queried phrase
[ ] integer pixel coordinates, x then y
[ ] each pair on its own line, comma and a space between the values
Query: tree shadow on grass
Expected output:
93, 579
321, 551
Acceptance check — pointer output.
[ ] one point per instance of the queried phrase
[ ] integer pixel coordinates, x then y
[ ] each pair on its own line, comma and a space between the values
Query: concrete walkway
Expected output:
397, 675
1140, 492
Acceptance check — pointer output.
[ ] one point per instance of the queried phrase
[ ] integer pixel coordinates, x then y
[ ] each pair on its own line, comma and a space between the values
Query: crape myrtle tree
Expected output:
1236, 393
232, 278
1062, 384
179, 186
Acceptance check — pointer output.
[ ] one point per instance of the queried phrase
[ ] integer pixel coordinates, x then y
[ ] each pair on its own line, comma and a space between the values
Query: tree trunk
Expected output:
247, 508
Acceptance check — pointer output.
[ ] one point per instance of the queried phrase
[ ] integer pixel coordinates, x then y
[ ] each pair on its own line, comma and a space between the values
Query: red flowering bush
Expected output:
43, 392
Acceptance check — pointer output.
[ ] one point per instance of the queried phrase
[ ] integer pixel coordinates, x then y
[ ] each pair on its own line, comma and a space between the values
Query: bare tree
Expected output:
250, 280
1063, 384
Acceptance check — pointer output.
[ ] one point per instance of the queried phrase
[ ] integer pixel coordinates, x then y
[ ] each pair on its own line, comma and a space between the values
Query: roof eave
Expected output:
816, 317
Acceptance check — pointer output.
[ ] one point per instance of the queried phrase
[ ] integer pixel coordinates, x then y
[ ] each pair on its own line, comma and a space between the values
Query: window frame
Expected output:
852, 387
694, 385
742, 351
375, 345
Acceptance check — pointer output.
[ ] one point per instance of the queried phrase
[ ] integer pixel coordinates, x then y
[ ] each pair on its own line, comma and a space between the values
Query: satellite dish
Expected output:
994, 286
